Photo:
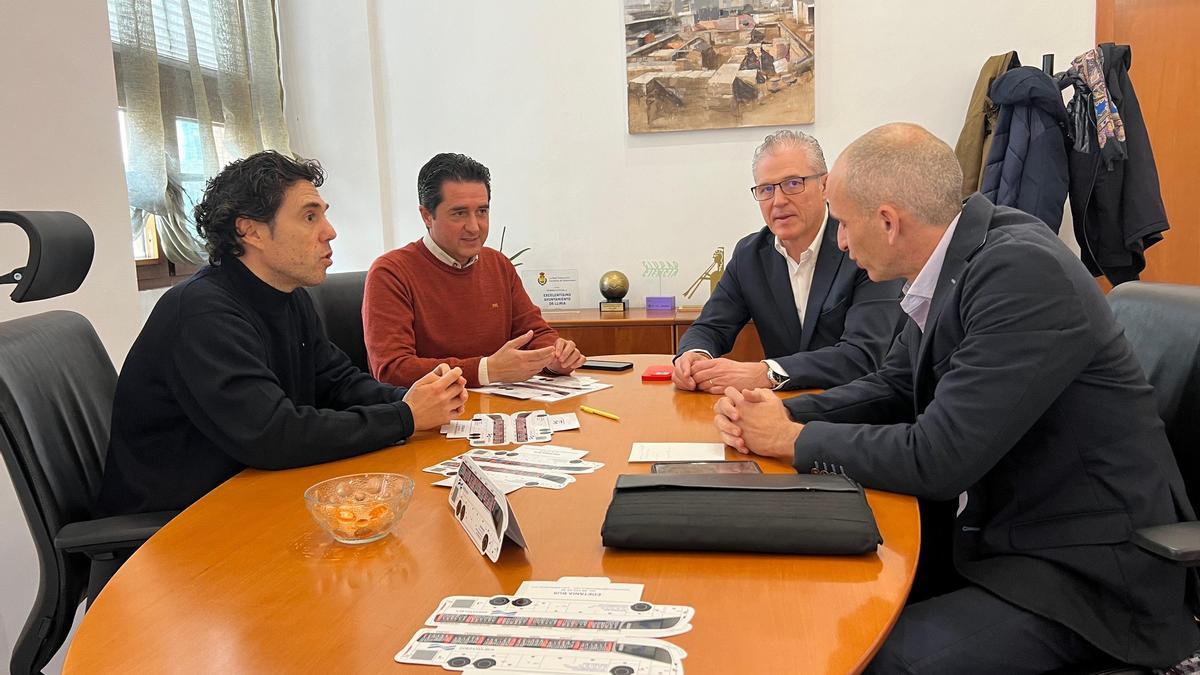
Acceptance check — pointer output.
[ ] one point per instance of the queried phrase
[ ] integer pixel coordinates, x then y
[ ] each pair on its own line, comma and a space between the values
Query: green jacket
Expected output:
976, 137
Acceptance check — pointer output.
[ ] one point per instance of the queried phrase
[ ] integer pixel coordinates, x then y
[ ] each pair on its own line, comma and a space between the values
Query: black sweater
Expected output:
230, 373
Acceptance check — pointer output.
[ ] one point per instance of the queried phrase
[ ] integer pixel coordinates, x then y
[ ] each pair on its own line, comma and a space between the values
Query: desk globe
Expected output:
613, 286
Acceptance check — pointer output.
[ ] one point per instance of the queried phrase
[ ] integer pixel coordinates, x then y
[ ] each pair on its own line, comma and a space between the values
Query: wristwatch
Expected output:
777, 379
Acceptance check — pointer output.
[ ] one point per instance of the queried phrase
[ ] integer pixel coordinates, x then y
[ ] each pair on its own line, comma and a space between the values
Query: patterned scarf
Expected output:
1110, 130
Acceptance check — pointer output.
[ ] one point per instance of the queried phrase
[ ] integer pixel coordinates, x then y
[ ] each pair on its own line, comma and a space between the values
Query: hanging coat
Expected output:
1026, 166
975, 139
1117, 205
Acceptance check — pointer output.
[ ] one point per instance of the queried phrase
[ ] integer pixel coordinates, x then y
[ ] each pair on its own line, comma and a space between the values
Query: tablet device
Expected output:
593, 364
728, 466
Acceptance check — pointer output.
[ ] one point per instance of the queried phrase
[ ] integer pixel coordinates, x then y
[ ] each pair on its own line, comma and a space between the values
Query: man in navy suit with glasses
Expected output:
821, 320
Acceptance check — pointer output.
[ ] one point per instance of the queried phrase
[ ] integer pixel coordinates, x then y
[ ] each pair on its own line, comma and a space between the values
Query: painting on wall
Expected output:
716, 64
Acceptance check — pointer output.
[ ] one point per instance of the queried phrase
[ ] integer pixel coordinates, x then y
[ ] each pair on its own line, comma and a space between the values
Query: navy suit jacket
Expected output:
1023, 393
849, 321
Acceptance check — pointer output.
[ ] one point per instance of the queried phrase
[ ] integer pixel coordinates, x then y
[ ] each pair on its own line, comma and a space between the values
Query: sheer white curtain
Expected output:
198, 85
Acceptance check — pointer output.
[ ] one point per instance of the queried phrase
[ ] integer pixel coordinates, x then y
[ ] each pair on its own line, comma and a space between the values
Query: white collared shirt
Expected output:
918, 294
445, 257
800, 274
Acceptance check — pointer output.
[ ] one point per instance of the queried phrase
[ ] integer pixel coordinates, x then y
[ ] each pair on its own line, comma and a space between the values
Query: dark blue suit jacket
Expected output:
1023, 393
849, 321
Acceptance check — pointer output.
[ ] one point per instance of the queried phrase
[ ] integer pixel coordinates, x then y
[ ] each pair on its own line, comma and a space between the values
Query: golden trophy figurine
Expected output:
712, 274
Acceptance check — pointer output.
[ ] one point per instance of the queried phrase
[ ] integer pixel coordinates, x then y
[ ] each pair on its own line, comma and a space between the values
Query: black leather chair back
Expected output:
338, 302
56, 393
1162, 322
61, 247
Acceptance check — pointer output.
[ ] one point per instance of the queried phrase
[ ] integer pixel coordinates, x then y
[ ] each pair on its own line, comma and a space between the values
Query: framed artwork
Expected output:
716, 64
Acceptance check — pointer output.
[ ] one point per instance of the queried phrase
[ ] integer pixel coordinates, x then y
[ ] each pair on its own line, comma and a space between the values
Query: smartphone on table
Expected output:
596, 364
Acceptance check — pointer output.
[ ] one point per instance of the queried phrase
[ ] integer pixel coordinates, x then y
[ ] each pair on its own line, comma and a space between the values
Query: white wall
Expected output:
536, 90
327, 44
59, 150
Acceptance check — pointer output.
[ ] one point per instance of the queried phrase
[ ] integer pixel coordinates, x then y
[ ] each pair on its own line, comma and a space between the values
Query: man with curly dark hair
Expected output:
233, 369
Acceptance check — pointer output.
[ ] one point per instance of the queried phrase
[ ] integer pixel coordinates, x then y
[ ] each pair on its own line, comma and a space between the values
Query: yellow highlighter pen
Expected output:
601, 413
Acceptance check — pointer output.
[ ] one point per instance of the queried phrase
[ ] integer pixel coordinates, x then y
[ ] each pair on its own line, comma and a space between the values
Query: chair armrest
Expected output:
1177, 542
115, 533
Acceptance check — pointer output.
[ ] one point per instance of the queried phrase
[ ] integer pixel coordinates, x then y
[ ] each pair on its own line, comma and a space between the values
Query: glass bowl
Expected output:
359, 508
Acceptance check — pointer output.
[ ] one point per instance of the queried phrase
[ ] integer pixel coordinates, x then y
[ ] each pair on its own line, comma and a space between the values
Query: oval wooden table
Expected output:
243, 581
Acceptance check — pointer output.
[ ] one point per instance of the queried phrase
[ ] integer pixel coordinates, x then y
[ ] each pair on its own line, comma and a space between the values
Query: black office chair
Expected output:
1162, 322
338, 302
56, 395
61, 247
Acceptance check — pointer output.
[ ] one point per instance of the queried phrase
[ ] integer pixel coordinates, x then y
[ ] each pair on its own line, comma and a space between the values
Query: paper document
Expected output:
457, 428
546, 466
571, 626
481, 509
677, 452
564, 422
545, 388
527, 426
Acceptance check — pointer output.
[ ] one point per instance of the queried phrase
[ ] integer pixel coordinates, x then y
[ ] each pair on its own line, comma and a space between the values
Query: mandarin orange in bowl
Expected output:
359, 508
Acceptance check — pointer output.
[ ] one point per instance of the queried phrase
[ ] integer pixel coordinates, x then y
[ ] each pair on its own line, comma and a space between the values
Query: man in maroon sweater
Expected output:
446, 298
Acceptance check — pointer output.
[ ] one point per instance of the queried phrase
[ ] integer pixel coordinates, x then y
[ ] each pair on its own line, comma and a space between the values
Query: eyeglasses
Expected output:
790, 186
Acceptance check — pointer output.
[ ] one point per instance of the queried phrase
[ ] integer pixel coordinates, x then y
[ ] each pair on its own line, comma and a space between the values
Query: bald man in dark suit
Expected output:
1014, 407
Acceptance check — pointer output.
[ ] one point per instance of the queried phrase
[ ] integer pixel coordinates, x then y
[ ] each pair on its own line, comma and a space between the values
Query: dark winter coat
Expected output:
1117, 208
1026, 166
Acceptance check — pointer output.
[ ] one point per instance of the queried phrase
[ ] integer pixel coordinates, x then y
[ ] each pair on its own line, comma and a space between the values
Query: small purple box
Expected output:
660, 303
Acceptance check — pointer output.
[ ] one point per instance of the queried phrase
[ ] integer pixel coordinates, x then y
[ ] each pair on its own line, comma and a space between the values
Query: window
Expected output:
191, 159
145, 243
170, 30
173, 61
192, 177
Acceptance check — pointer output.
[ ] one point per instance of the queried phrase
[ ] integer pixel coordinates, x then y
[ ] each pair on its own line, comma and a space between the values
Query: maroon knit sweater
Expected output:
419, 312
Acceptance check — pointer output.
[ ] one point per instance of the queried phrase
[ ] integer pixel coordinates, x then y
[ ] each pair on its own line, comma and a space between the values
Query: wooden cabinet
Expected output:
631, 339
639, 331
